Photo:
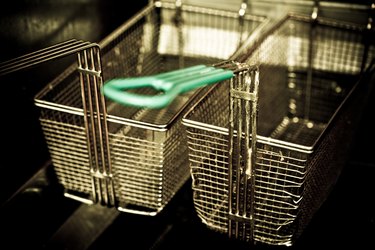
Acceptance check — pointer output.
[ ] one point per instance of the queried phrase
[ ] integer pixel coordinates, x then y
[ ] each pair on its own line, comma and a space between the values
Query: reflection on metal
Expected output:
83, 227
148, 151
298, 158
96, 131
243, 113
53, 52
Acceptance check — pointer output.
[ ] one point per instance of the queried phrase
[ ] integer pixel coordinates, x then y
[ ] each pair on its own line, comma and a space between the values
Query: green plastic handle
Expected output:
171, 83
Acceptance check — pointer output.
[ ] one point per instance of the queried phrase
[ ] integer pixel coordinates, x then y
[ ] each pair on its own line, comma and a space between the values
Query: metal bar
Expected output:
250, 117
243, 125
314, 18
230, 159
241, 16
88, 141
368, 33
238, 119
96, 128
245, 150
106, 137
102, 168
328, 4
47, 54
178, 21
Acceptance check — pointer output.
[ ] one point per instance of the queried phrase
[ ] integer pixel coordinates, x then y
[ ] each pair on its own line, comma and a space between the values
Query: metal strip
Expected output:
242, 95
57, 51
242, 152
90, 72
95, 116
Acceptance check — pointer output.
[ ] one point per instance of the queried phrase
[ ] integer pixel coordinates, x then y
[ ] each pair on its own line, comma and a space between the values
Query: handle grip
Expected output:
171, 84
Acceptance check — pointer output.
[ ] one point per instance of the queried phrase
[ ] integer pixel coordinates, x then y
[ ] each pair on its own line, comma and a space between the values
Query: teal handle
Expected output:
171, 83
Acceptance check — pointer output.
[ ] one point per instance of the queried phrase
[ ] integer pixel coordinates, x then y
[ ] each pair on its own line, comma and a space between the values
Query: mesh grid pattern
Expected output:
150, 166
322, 176
300, 151
280, 175
209, 171
66, 140
148, 148
138, 169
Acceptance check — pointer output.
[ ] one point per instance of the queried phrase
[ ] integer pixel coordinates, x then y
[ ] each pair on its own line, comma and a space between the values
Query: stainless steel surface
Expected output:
243, 109
308, 110
343, 10
28, 26
36, 212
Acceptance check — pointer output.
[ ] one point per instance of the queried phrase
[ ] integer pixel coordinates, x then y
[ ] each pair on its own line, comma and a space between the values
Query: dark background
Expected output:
30, 216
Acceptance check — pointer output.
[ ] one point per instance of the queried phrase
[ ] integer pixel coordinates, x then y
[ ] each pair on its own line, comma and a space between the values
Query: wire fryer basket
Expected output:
266, 184
142, 161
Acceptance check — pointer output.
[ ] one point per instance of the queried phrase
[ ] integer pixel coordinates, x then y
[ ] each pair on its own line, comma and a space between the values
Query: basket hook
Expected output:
315, 11
371, 16
241, 18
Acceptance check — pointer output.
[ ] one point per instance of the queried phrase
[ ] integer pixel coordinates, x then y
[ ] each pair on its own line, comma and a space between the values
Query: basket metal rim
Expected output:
249, 47
41, 102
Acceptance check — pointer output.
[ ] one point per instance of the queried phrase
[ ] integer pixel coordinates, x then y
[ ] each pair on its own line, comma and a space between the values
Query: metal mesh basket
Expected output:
265, 185
142, 161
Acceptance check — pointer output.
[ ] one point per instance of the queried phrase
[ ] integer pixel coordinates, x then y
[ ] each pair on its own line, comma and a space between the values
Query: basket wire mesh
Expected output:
134, 159
262, 163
